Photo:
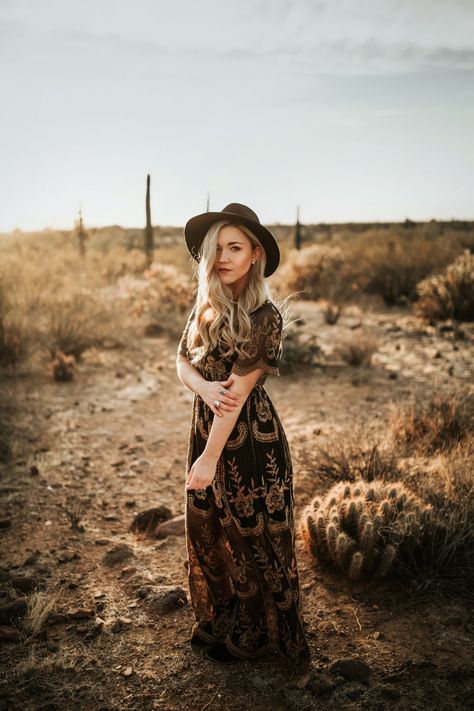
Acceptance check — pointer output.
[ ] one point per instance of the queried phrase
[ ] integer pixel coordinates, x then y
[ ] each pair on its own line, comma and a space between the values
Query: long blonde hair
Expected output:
218, 318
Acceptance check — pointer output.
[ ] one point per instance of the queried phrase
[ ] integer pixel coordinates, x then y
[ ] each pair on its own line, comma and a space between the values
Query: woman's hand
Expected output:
202, 472
211, 390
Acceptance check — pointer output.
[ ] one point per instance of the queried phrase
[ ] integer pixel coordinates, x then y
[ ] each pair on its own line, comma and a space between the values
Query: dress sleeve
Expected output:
264, 345
182, 347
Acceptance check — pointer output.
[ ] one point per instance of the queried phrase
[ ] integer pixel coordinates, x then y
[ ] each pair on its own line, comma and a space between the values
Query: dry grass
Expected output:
424, 428
69, 678
345, 459
14, 335
14, 434
447, 482
40, 606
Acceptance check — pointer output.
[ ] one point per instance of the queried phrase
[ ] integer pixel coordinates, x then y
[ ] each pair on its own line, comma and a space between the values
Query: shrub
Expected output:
316, 271
356, 348
298, 347
14, 335
449, 294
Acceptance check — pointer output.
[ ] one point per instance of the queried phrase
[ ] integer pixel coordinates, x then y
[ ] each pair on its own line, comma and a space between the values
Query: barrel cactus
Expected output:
362, 527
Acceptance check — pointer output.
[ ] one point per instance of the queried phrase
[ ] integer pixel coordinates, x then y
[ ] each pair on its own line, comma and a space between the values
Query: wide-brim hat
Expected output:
196, 228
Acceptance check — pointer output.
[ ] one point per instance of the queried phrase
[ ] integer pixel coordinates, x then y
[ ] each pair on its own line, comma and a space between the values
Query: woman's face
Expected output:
234, 257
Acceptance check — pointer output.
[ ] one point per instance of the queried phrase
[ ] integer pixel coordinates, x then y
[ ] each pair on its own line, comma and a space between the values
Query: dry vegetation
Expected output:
93, 434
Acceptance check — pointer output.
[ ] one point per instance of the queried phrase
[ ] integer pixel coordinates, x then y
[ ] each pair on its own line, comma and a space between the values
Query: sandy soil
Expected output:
113, 442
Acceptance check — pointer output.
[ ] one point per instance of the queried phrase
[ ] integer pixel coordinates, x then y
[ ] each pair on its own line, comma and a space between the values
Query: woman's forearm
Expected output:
220, 430
189, 375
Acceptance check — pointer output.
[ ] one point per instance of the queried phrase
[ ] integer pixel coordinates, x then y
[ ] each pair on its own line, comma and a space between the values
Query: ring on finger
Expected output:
223, 391
217, 403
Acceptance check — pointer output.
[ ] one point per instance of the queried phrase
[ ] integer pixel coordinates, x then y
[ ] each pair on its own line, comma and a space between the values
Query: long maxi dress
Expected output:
240, 529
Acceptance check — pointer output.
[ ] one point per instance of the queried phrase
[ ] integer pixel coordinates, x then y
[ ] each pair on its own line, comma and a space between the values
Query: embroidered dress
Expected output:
240, 533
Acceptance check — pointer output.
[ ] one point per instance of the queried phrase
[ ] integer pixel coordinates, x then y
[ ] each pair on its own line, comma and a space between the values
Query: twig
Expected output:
207, 704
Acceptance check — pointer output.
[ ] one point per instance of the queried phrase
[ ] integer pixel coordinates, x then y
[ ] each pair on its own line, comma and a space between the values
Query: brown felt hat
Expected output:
196, 228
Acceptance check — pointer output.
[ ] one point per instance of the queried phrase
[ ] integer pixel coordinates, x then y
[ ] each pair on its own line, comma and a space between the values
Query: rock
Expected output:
23, 583
9, 634
31, 560
56, 618
166, 598
80, 613
147, 521
128, 571
354, 691
12, 610
174, 527
351, 668
118, 554
128, 671
327, 627
317, 683
389, 691
378, 635
118, 624
67, 556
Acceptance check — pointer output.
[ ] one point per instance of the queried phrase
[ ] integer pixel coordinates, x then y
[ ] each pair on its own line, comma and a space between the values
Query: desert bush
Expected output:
356, 348
73, 323
299, 347
315, 271
436, 425
364, 528
391, 264
331, 312
163, 294
14, 334
449, 294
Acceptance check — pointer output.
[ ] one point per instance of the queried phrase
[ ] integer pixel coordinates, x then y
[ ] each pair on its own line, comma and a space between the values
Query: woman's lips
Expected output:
224, 270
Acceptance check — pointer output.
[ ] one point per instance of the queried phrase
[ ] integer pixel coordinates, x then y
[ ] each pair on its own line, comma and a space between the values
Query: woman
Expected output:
239, 507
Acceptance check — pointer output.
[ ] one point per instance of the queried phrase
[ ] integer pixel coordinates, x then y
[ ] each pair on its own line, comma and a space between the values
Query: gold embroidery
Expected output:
201, 428
239, 440
262, 407
203, 513
266, 436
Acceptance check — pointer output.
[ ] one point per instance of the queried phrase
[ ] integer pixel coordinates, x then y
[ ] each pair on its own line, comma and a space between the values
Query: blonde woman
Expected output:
239, 507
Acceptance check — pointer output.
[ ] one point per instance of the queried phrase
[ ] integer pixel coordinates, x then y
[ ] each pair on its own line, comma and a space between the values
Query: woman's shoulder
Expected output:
267, 310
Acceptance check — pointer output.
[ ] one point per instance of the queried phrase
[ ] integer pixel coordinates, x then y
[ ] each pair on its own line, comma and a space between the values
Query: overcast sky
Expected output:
355, 110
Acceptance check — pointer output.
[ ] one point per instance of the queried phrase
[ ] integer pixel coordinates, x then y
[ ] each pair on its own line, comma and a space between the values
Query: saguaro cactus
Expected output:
148, 229
298, 231
81, 234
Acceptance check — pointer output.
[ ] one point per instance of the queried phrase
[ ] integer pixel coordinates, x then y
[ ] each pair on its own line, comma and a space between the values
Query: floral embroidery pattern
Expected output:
240, 538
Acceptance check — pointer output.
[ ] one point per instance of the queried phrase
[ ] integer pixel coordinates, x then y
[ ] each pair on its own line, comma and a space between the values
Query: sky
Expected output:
354, 110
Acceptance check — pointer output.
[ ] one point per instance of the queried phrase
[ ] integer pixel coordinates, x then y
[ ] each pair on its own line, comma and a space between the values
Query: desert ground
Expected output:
103, 615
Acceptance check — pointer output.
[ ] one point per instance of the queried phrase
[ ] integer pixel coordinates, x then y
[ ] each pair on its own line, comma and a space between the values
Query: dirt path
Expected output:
113, 442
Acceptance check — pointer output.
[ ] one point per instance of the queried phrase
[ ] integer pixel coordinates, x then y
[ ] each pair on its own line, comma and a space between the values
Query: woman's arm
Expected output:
189, 375
222, 426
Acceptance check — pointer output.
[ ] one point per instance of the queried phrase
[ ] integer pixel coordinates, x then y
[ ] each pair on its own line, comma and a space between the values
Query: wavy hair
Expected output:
218, 318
